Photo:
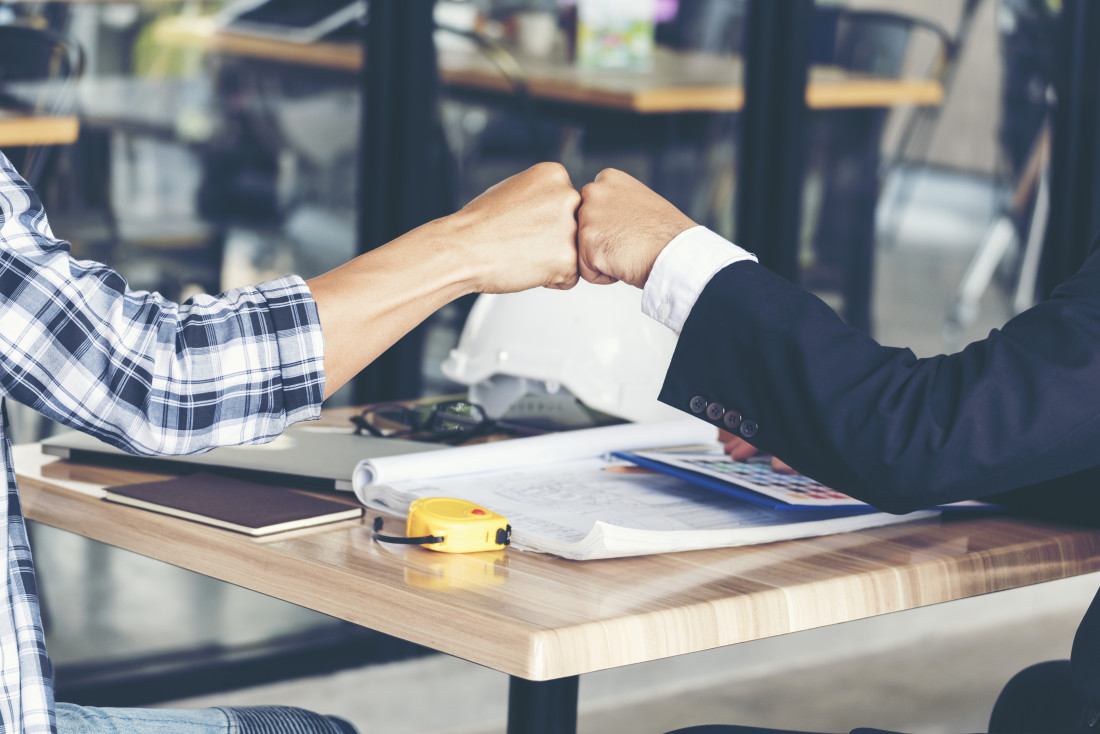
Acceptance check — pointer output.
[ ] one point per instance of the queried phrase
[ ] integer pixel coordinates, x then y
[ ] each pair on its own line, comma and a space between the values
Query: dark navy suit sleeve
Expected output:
1017, 411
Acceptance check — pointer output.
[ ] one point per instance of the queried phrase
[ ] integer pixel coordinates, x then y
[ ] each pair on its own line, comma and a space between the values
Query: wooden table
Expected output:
678, 82
19, 130
545, 621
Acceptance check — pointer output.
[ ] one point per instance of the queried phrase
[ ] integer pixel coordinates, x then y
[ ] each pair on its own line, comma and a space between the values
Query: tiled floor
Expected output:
931, 671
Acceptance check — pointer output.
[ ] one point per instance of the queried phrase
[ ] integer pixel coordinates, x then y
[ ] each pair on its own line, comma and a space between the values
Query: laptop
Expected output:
303, 458
291, 20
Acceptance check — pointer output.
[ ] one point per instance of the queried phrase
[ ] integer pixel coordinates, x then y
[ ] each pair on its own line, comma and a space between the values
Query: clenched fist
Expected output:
622, 228
521, 233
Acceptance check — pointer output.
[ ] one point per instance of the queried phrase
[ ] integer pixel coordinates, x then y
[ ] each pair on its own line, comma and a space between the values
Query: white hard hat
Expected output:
592, 340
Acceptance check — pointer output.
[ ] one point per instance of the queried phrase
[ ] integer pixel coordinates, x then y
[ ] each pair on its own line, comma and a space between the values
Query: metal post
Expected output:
543, 707
404, 181
772, 144
1075, 153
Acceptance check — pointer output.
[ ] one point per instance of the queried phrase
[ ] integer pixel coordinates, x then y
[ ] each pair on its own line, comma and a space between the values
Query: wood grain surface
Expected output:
540, 617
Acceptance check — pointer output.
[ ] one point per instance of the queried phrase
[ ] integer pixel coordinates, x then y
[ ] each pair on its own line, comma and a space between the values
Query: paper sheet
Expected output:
593, 509
549, 449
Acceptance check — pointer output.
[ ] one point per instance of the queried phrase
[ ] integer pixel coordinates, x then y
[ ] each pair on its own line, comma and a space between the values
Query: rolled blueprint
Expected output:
551, 448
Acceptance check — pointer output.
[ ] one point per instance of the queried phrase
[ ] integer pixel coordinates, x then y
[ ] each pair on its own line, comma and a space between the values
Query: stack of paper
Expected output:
562, 496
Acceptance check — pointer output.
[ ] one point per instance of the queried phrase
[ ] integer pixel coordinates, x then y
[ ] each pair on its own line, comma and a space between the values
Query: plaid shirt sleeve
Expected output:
136, 370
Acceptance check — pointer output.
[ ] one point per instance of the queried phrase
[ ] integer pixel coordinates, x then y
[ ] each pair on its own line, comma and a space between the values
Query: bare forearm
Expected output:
519, 234
369, 303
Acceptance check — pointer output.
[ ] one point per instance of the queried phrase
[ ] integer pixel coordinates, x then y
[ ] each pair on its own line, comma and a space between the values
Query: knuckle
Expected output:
552, 170
610, 175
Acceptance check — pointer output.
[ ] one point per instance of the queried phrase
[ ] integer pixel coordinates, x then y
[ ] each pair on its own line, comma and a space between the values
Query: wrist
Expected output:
448, 247
664, 235
471, 263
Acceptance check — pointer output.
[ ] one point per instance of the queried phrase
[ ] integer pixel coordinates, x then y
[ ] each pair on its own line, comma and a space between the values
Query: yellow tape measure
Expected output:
451, 526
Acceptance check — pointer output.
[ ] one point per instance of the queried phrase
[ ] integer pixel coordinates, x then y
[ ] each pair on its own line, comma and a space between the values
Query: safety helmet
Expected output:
593, 341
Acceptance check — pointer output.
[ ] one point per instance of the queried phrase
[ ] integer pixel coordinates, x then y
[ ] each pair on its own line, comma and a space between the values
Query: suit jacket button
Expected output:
731, 420
749, 428
715, 411
698, 404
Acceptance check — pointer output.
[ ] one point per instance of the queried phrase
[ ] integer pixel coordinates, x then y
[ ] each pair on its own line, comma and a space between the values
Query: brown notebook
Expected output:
246, 507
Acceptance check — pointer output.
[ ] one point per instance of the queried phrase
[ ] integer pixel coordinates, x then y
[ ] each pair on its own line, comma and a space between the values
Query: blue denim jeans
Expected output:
221, 720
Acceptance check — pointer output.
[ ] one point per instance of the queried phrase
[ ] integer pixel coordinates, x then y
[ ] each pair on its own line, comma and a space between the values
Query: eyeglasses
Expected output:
453, 421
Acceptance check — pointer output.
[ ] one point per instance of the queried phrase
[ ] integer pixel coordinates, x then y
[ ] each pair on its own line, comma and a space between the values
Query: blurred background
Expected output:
217, 144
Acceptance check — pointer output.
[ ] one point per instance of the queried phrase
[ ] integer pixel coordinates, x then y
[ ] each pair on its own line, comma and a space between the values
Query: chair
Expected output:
845, 146
916, 134
1009, 252
38, 73
1020, 222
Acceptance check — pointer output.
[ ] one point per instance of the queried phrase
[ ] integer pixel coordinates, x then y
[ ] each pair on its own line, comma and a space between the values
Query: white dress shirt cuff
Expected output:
681, 272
